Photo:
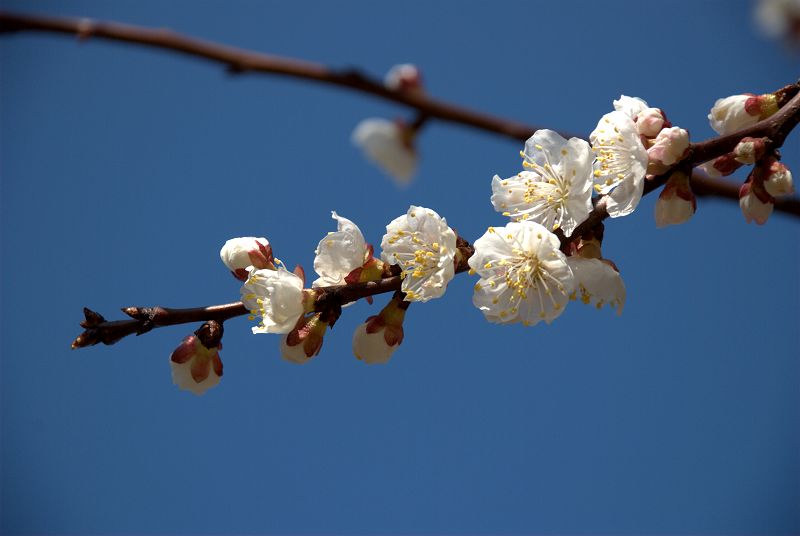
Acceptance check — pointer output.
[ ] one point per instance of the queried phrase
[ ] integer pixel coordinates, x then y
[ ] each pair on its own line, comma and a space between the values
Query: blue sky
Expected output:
125, 169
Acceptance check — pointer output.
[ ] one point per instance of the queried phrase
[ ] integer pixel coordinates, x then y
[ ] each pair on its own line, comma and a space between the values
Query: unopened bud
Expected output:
404, 77
755, 202
650, 122
239, 253
668, 148
776, 177
376, 340
390, 145
750, 150
195, 367
305, 340
676, 204
741, 111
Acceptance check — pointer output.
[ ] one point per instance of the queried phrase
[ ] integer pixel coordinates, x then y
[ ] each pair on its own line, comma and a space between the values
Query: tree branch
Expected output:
239, 61
98, 330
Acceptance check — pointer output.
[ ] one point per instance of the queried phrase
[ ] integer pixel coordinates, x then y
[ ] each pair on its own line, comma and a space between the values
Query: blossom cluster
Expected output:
546, 254
769, 178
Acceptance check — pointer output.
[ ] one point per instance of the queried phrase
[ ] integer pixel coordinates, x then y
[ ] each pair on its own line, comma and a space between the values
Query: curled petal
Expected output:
630, 106
339, 253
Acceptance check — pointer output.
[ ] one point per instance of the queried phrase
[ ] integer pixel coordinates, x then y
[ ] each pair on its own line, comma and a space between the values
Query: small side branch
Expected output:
98, 330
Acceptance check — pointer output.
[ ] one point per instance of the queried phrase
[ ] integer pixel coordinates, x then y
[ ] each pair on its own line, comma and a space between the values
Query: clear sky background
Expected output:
125, 169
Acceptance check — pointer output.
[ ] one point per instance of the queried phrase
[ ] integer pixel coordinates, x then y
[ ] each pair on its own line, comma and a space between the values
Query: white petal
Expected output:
630, 106
371, 348
544, 146
276, 296
621, 163
182, 377
339, 253
597, 282
556, 189
293, 354
424, 246
524, 275
755, 210
729, 115
237, 253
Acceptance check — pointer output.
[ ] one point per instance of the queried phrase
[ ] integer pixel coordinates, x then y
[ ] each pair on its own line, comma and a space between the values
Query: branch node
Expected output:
93, 319
210, 334
134, 312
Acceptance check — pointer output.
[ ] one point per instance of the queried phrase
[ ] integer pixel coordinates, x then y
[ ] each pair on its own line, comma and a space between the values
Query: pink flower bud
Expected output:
239, 253
404, 77
749, 150
669, 147
195, 368
376, 340
650, 122
755, 202
677, 203
305, 340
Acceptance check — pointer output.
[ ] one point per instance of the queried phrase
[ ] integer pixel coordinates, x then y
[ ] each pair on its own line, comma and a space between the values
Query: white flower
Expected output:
630, 106
239, 253
621, 163
339, 253
195, 368
669, 147
597, 282
755, 203
741, 111
389, 145
276, 296
676, 204
524, 275
403, 77
557, 189
424, 247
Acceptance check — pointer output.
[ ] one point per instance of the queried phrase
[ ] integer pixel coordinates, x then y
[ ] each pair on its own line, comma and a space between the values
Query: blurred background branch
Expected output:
240, 61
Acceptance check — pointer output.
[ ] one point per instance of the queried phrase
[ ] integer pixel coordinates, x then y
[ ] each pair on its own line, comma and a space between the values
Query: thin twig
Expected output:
238, 61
